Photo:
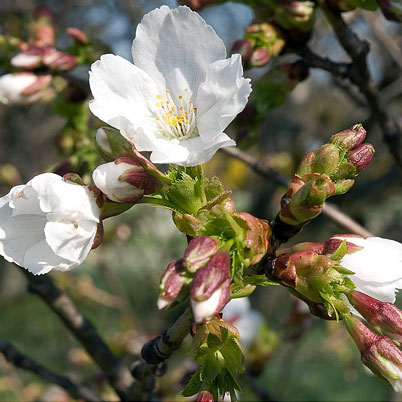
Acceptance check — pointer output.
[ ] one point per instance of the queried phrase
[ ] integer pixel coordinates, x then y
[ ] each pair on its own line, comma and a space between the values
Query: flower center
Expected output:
176, 121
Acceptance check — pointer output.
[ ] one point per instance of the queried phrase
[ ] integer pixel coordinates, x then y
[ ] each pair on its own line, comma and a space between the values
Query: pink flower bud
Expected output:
205, 396
59, 60
77, 34
361, 156
260, 57
384, 318
210, 289
171, 285
199, 251
244, 47
378, 353
28, 59
350, 138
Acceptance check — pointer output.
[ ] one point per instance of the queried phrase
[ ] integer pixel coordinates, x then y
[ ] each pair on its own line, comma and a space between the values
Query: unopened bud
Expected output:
244, 47
22, 88
205, 396
171, 290
384, 318
77, 34
361, 156
260, 57
326, 159
295, 14
124, 180
60, 61
258, 236
28, 59
111, 144
350, 138
378, 353
199, 251
210, 289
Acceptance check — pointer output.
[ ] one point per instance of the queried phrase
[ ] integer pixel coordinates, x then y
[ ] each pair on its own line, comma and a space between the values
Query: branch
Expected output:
15, 357
118, 375
330, 210
360, 76
156, 352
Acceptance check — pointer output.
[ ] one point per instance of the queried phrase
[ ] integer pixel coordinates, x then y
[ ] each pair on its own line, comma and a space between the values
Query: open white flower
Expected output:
180, 94
377, 266
47, 224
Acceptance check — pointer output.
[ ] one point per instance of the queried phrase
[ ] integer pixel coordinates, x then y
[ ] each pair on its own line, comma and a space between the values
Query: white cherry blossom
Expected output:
47, 224
377, 266
180, 93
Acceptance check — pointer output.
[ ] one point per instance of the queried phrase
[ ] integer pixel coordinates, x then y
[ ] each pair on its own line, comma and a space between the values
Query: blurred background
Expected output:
298, 357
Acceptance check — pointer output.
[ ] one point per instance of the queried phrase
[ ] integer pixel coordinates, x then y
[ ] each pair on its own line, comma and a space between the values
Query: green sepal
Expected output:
195, 384
110, 209
340, 252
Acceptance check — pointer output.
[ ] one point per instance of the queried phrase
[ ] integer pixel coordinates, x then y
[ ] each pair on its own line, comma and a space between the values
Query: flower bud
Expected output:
361, 156
257, 240
171, 289
244, 47
384, 318
350, 138
77, 34
210, 289
326, 159
199, 251
28, 59
124, 180
22, 88
295, 14
306, 164
260, 57
392, 10
59, 60
308, 201
378, 353
111, 144
205, 396
305, 271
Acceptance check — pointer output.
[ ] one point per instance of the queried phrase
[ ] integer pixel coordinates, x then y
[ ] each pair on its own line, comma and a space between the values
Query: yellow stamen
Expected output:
159, 96
172, 121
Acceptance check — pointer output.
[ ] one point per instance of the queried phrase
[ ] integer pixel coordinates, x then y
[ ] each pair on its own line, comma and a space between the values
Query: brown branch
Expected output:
330, 210
15, 357
156, 352
360, 76
117, 374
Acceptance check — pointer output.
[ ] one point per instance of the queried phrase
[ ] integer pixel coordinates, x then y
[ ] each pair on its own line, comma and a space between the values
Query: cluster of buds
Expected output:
378, 352
203, 274
261, 42
330, 170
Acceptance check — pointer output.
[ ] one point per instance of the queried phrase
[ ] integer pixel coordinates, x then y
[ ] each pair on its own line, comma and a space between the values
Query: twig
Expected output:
330, 210
156, 352
117, 374
360, 76
15, 357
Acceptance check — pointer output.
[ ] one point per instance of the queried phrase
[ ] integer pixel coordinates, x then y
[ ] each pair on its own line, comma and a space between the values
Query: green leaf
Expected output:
213, 341
195, 384
213, 188
211, 367
234, 357
259, 280
340, 252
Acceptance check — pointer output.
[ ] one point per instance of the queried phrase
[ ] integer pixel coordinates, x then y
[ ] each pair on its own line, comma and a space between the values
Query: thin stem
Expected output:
18, 359
117, 374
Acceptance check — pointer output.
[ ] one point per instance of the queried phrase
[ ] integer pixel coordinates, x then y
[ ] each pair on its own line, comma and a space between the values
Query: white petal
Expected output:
175, 48
229, 20
69, 241
12, 86
221, 97
40, 259
19, 233
122, 94
384, 291
206, 308
190, 152
380, 260
236, 308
